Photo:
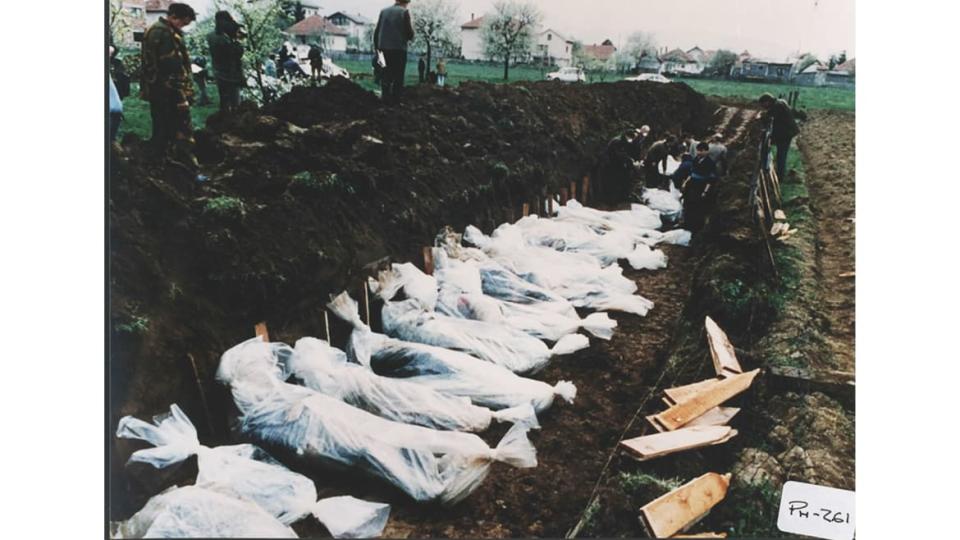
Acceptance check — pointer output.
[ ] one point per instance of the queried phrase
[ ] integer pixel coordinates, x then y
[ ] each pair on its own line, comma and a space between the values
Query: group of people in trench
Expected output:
633, 158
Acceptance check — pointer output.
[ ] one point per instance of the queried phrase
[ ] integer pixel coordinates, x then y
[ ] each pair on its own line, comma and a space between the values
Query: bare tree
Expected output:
639, 43
508, 33
434, 25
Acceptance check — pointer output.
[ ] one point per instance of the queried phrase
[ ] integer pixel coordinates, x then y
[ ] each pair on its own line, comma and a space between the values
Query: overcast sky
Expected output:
772, 28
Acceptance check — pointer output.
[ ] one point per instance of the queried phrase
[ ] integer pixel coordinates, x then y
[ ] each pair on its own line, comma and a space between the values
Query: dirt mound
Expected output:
304, 194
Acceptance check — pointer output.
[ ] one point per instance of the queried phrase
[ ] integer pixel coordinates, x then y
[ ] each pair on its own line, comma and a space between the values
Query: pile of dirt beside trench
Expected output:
305, 193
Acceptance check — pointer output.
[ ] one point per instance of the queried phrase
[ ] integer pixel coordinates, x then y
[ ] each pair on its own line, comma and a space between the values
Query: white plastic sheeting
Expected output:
580, 238
577, 277
461, 295
247, 473
425, 463
448, 372
326, 370
334, 511
501, 345
197, 512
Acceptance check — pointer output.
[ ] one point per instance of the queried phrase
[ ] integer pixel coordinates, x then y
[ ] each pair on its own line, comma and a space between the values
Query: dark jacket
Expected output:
703, 169
394, 29
618, 151
683, 171
784, 125
165, 64
227, 56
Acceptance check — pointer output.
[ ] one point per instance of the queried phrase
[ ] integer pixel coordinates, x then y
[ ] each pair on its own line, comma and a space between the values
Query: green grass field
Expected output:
137, 112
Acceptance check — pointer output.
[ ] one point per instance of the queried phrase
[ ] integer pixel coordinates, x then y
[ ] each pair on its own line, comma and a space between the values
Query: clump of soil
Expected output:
305, 194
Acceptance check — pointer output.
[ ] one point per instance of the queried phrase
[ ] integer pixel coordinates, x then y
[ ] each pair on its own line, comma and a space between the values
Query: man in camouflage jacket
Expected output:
166, 83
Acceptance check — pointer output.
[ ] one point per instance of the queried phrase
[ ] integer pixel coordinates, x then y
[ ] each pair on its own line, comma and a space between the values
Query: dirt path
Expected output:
828, 145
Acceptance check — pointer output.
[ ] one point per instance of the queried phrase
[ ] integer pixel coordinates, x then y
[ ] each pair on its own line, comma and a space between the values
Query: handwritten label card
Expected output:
818, 511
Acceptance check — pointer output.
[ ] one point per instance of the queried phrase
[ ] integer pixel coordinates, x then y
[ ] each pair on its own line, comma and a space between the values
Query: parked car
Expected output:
567, 74
652, 77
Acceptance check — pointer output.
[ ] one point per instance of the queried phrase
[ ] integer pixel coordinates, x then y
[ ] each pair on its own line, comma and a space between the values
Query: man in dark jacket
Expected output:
394, 30
226, 52
698, 188
617, 169
784, 128
167, 84
655, 162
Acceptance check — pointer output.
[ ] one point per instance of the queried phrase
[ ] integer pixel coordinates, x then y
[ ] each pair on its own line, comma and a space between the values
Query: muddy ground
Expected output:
308, 192
303, 196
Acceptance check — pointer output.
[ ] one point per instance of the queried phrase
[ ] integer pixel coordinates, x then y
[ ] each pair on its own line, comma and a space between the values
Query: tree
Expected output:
120, 22
509, 31
638, 44
435, 26
595, 68
837, 59
721, 63
264, 22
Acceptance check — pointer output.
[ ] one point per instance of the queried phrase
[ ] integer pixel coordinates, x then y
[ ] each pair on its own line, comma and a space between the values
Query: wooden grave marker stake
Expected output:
585, 190
684, 506
260, 329
563, 196
428, 260
573, 190
526, 209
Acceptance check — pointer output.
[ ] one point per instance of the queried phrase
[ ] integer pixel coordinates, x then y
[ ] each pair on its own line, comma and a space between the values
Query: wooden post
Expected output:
585, 190
260, 329
563, 196
573, 190
326, 324
428, 261
526, 209
366, 300
203, 395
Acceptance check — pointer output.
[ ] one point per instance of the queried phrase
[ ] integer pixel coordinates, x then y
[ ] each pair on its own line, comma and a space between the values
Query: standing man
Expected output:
422, 70
655, 162
784, 128
316, 61
166, 83
226, 52
394, 30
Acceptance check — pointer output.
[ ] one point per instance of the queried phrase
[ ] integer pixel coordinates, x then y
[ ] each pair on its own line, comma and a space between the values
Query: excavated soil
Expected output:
307, 193
828, 143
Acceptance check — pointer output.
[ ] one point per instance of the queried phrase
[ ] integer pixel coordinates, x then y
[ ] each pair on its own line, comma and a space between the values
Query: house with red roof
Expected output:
471, 42
316, 28
603, 52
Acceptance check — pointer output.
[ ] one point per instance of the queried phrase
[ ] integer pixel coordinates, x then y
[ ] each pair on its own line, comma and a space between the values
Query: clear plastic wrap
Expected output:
639, 221
370, 517
608, 248
245, 472
448, 372
495, 343
461, 295
425, 463
197, 512
577, 277
326, 370
664, 201
414, 283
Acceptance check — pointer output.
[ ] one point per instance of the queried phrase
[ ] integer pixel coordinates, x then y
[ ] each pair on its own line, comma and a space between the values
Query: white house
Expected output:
552, 48
354, 24
318, 28
471, 42
310, 7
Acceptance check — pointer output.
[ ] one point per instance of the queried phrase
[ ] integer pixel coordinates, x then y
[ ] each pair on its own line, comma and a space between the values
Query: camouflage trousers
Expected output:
172, 131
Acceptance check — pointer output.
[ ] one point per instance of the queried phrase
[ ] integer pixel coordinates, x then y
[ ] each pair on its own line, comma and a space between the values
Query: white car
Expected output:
652, 77
567, 74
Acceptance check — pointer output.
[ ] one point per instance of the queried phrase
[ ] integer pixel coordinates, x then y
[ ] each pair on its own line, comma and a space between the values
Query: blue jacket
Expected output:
116, 105
683, 171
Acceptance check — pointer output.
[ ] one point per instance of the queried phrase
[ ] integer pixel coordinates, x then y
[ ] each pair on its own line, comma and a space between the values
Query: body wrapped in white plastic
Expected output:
575, 276
241, 471
197, 512
461, 295
448, 372
326, 370
426, 464
495, 343
607, 248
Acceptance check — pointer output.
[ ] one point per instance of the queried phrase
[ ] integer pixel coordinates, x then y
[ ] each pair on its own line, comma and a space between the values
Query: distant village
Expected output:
343, 33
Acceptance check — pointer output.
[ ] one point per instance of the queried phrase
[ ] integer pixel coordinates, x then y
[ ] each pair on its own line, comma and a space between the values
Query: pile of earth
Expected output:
306, 193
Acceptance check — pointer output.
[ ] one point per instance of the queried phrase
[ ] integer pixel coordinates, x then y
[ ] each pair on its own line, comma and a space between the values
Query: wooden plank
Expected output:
721, 350
847, 274
585, 190
573, 190
684, 506
652, 420
260, 329
428, 260
661, 444
526, 209
701, 535
366, 298
563, 196
779, 214
326, 324
838, 385
717, 416
697, 404
680, 393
